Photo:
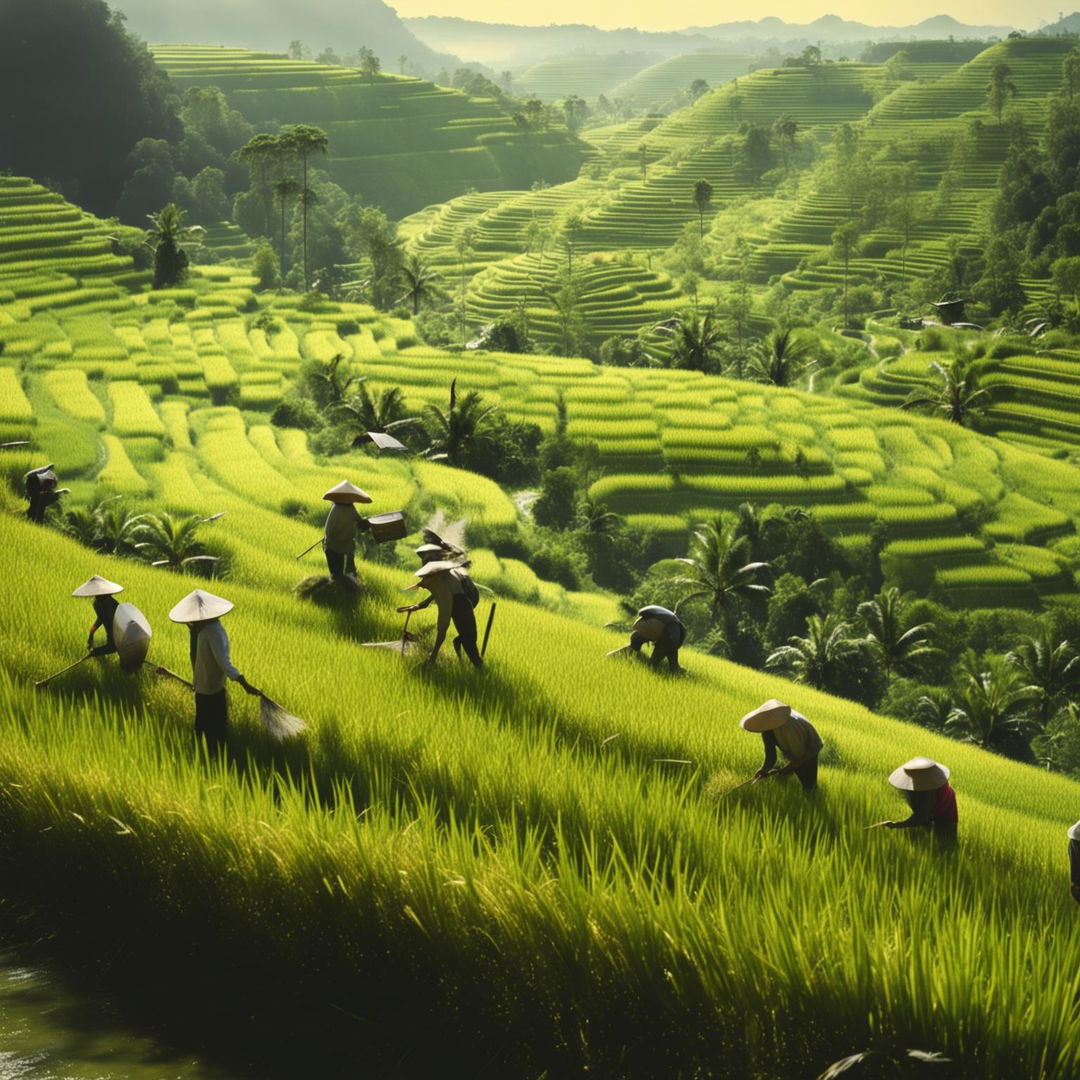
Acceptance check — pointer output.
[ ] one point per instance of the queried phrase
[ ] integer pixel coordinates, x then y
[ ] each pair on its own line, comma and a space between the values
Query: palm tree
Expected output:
285, 188
332, 383
821, 659
171, 541
697, 341
1049, 668
464, 423
166, 234
993, 704
719, 571
116, 525
384, 412
893, 645
780, 358
956, 394
420, 280
595, 520
303, 140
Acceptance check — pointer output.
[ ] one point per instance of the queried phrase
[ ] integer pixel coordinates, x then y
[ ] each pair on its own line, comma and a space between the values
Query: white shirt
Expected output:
443, 588
212, 661
340, 530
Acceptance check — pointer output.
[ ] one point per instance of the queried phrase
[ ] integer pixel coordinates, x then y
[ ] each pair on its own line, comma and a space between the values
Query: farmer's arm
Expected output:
922, 811
769, 739
219, 648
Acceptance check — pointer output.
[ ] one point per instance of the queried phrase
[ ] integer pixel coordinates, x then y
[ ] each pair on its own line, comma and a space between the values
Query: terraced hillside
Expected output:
400, 143
586, 76
661, 82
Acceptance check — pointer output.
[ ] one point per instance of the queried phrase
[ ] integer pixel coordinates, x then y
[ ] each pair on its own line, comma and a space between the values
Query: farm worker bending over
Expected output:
102, 593
41, 492
342, 525
784, 728
1074, 861
926, 787
210, 663
454, 592
663, 629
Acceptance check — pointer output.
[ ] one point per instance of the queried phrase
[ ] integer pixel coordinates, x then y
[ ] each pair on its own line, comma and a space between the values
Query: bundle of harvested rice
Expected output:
278, 722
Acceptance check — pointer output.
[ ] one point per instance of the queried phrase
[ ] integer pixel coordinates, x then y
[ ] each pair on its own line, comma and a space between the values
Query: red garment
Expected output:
945, 805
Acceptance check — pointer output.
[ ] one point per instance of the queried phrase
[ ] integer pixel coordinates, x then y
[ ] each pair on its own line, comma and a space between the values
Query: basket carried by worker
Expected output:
386, 527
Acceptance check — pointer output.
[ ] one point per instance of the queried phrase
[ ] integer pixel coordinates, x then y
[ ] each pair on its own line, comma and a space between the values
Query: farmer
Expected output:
783, 728
342, 525
452, 590
663, 629
1074, 861
430, 553
210, 663
926, 788
101, 592
41, 492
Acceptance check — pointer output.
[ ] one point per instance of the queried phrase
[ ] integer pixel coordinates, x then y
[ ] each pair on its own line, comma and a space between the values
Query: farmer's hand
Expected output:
762, 773
160, 671
889, 824
249, 688
407, 607
89, 644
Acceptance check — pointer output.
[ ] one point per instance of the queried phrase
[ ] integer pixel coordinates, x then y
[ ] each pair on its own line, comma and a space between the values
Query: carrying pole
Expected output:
81, 660
487, 632
312, 548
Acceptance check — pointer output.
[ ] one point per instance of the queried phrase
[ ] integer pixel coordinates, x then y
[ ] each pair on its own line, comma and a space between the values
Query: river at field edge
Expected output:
49, 1032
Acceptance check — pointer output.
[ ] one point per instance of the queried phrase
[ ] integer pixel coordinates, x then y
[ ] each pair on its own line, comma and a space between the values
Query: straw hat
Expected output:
98, 586
429, 552
1074, 832
431, 569
767, 717
198, 606
347, 493
920, 774
648, 628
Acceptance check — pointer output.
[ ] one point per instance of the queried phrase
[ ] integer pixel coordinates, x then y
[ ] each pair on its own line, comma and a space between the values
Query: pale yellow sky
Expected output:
676, 14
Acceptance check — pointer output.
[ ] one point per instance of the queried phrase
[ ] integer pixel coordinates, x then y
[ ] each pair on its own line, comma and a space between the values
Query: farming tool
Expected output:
753, 780
487, 631
312, 548
42, 682
171, 674
279, 723
877, 825
399, 646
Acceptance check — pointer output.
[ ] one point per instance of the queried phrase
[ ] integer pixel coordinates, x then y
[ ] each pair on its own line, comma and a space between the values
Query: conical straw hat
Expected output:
766, 717
347, 493
1074, 832
920, 774
198, 606
98, 586
437, 566
428, 552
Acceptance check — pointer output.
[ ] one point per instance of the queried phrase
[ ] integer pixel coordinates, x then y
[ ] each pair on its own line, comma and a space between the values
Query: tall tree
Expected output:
820, 659
1050, 669
285, 189
575, 113
894, 644
304, 140
1000, 88
703, 193
845, 245
167, 235
993, 706
369, 65
261, 155
453, 432
781, 357
420, 279
696, 344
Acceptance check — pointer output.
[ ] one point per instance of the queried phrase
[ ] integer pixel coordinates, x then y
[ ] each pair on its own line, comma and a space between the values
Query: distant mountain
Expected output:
831, 28
1068, 25
271, 25
511, 45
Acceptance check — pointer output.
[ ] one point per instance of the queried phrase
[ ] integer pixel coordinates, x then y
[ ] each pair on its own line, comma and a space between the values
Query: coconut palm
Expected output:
719, 572
894, 646
420, 280
383, 412
166, 540
116, 524
595, 520
993, 703
1050, 670
821, 659
331, 383
696, 341
166, 236
955, 394
780, 358
453, 431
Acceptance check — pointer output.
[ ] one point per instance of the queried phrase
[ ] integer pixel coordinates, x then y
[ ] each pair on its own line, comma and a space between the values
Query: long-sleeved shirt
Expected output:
105, 610
937, 807
797, 738
342, 525
210, 660
443, 588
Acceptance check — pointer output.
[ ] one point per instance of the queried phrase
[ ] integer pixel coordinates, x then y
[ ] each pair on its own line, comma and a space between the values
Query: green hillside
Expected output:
660, 83
584, 75
399, 143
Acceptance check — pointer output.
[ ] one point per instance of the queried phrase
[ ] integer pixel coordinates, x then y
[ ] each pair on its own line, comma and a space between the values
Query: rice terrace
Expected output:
539, 551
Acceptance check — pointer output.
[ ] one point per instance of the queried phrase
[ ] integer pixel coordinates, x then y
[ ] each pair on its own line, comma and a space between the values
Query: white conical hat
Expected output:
428, 552
1074, 831
920, 774
766, 717
437, 566
200, 605
98, 586
347, 493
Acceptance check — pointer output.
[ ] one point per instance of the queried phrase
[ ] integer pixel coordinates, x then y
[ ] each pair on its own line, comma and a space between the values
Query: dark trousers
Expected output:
945, 835
339, 565
211, 719
465, 624
807, 774
667, 647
